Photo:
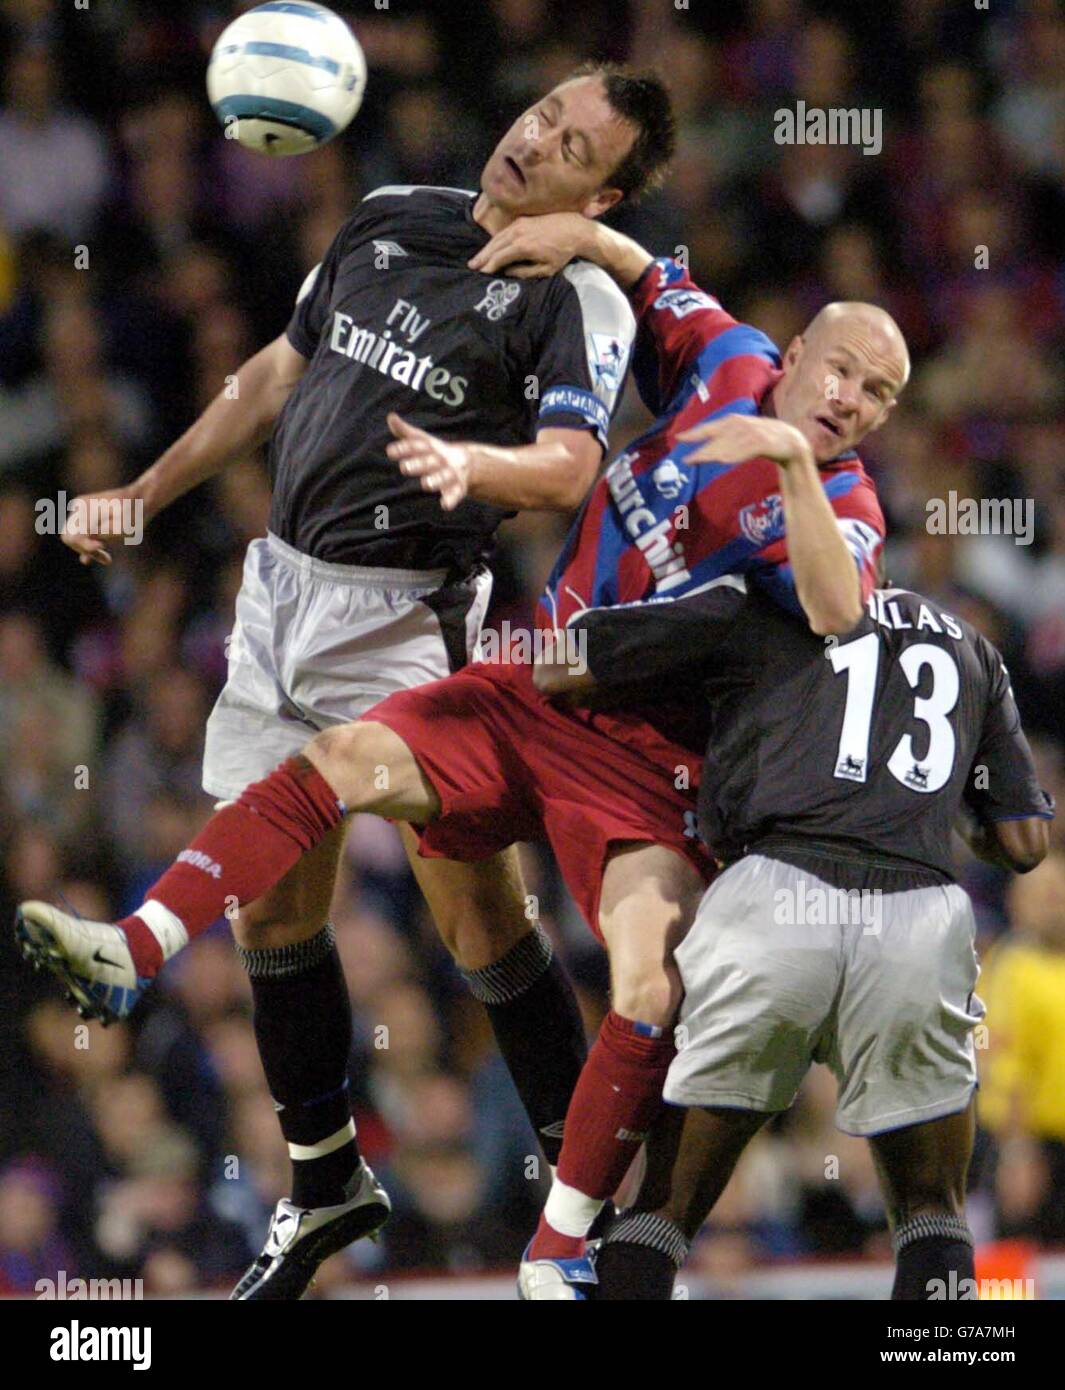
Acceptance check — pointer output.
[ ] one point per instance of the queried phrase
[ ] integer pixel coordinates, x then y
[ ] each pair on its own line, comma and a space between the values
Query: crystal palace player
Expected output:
366, 586
833, 778
481, 760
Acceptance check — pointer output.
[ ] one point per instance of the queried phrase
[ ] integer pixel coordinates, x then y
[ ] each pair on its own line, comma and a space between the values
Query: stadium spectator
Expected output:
1023, 1099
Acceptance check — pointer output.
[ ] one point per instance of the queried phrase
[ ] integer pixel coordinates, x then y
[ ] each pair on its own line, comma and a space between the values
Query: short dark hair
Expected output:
642, 99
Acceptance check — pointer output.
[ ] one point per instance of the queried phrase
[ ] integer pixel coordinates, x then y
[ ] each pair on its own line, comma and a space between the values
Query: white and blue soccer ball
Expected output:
286, 76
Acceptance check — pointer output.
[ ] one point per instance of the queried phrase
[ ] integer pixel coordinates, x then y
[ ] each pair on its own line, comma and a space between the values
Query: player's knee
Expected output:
264, 926
481, 925
646, 993
363, 762
343, 755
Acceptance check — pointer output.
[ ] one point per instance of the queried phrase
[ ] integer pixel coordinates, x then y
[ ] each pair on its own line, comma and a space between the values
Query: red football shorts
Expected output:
509, 765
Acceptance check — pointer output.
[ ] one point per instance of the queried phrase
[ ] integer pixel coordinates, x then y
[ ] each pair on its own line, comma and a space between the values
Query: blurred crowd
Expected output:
143, 257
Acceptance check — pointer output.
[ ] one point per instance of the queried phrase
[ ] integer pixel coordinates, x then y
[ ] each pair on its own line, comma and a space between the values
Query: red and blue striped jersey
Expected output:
655, 525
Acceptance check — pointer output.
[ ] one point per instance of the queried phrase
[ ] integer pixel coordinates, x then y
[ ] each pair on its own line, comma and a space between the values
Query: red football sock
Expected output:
241, 853
615, 1102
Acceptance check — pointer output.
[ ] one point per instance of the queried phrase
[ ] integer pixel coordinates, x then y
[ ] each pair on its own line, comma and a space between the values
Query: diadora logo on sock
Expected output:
199, 860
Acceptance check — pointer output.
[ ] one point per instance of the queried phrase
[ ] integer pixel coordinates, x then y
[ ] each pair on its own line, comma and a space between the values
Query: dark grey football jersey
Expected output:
873, 739
394, 320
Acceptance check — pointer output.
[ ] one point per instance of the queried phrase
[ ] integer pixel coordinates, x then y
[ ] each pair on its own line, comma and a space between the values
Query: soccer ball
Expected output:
286, 77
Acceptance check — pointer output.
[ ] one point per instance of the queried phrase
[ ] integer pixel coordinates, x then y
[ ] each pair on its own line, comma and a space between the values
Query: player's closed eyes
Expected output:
568, 151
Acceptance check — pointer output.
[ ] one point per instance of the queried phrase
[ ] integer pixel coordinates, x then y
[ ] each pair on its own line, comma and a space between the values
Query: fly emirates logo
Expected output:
391, 352
666, 560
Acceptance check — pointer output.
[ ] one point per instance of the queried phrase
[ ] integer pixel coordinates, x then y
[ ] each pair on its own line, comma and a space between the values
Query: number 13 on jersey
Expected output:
859, 661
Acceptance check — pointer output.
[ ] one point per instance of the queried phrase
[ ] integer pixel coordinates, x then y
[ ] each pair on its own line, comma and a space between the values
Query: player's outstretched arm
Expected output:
610, 650
826, 578
551, 475
538, 246
238, 419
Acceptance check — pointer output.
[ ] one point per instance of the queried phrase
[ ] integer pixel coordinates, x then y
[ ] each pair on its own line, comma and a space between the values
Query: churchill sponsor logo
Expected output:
385, 353
664, 557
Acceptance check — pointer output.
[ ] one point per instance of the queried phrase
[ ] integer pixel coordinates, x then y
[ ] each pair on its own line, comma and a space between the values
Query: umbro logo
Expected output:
387, 249
554, 1130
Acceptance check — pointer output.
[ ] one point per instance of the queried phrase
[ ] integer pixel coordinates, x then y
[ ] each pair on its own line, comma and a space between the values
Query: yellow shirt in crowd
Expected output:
1023, 1071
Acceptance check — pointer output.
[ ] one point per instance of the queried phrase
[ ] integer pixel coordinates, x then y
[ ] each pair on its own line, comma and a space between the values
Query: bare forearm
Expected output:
239, 419
535, 476
623, 259
826, 577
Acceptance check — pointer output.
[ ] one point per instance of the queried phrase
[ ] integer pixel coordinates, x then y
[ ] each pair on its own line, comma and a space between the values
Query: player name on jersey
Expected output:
886, 612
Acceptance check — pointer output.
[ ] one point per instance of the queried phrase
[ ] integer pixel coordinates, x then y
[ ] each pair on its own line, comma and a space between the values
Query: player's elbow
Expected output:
550, 678
557, 679
1025, 863
575, 478
836, 618
573, 466
1024, 843
835, 612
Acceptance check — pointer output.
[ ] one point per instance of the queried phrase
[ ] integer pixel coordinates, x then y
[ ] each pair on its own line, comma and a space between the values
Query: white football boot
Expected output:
91, 960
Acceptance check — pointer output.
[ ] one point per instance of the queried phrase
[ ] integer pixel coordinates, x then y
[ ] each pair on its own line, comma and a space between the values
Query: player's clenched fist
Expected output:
95, 517
736, 438
442, 467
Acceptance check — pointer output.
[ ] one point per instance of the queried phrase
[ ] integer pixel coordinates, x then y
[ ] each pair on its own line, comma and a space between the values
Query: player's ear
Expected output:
884, 414
792, 351
603, 201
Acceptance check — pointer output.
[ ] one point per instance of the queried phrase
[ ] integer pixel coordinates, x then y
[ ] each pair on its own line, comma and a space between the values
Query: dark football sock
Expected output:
538, 1028
303, 1029
639, 1259
933, 1246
